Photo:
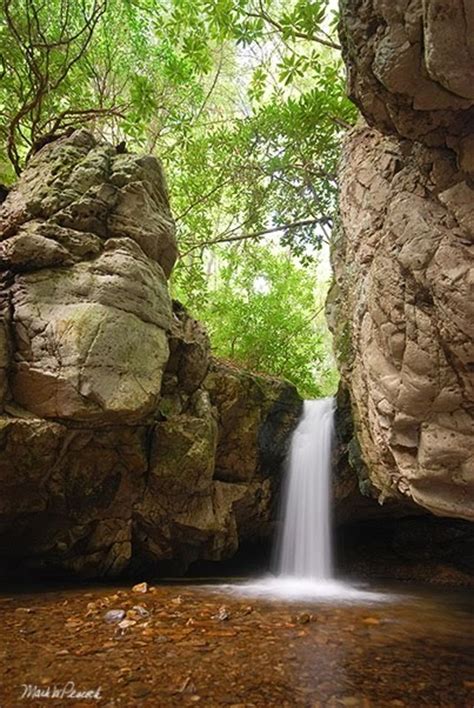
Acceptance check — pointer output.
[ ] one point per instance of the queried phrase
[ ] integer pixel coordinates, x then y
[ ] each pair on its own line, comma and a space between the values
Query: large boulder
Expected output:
112, 419
85, 314
401, 304
86, 306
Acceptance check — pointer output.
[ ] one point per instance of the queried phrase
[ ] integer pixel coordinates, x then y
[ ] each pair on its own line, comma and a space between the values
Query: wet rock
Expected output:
203, 514
114, 616
256, 415
127, 623
303, 618
140, 587
222, 615
140, 611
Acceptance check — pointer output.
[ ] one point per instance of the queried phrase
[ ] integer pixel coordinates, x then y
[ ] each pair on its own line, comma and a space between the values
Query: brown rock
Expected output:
67, 495
256, 415
410, 66
401, 305
114, 422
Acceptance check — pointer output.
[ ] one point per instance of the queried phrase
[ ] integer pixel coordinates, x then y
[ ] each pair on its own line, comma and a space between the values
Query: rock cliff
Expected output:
401, 307
123, 444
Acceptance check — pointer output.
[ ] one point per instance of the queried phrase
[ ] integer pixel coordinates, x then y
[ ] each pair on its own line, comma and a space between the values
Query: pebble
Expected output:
126, 623
140, 587
140, 610
114, 616
222, 615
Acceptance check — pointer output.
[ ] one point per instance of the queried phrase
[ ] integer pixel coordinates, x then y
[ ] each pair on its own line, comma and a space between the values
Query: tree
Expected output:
42, 45
266, 312
269, 163
108, 63
243, 100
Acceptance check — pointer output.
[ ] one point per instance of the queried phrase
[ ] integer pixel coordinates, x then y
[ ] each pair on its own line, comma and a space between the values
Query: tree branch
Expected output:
210, 91
37, 49
295, 33
257, 235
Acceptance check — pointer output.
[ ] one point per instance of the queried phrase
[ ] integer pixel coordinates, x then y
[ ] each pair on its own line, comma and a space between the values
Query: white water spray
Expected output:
305, 546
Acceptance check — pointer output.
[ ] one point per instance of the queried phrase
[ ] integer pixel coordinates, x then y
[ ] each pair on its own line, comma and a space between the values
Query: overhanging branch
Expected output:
262, 15
256, 235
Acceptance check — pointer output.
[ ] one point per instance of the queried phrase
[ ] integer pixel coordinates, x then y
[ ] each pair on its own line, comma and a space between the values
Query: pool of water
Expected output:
237, 644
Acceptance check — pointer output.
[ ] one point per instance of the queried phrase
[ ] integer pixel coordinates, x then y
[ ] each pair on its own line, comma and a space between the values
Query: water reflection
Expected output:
205, 644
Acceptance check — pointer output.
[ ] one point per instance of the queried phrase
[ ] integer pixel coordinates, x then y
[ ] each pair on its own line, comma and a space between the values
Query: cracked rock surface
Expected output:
85, 303
401, 307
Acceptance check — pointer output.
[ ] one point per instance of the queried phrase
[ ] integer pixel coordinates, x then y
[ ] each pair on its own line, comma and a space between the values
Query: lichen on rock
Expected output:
86, 301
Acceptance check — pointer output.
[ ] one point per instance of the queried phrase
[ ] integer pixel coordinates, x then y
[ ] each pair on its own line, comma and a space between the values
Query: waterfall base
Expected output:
292, 588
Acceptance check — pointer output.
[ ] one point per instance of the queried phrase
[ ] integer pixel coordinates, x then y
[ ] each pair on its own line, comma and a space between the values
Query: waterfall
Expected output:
304, 549
304, 563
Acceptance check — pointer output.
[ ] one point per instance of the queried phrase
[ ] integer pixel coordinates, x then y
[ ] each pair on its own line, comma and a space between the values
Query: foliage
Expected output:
266, 312
269, 160
243, 101
43, 50
65, 63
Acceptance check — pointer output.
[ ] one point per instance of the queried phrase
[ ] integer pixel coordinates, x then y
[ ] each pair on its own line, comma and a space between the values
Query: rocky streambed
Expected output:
177, 644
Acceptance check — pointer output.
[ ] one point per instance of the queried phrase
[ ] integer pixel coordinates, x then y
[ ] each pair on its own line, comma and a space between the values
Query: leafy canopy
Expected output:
266, 313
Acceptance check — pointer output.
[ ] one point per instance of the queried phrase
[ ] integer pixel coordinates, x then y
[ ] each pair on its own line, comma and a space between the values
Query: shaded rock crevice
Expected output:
209, 419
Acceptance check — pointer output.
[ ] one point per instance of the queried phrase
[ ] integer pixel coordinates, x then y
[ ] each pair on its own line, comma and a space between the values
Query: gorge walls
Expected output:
124, 445
401, 307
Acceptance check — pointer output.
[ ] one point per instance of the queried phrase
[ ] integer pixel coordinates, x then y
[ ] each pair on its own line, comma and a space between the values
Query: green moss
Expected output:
344, 344
359, 467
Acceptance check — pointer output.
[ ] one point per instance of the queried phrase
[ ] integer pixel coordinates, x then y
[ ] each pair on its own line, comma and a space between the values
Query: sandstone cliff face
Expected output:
117, 444
401, 306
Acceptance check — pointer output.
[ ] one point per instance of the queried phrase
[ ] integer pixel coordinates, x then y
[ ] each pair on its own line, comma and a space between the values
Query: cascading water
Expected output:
304, 559
304, 548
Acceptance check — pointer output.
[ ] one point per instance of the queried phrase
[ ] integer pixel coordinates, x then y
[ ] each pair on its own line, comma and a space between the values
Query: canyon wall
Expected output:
123, 444
401, 307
